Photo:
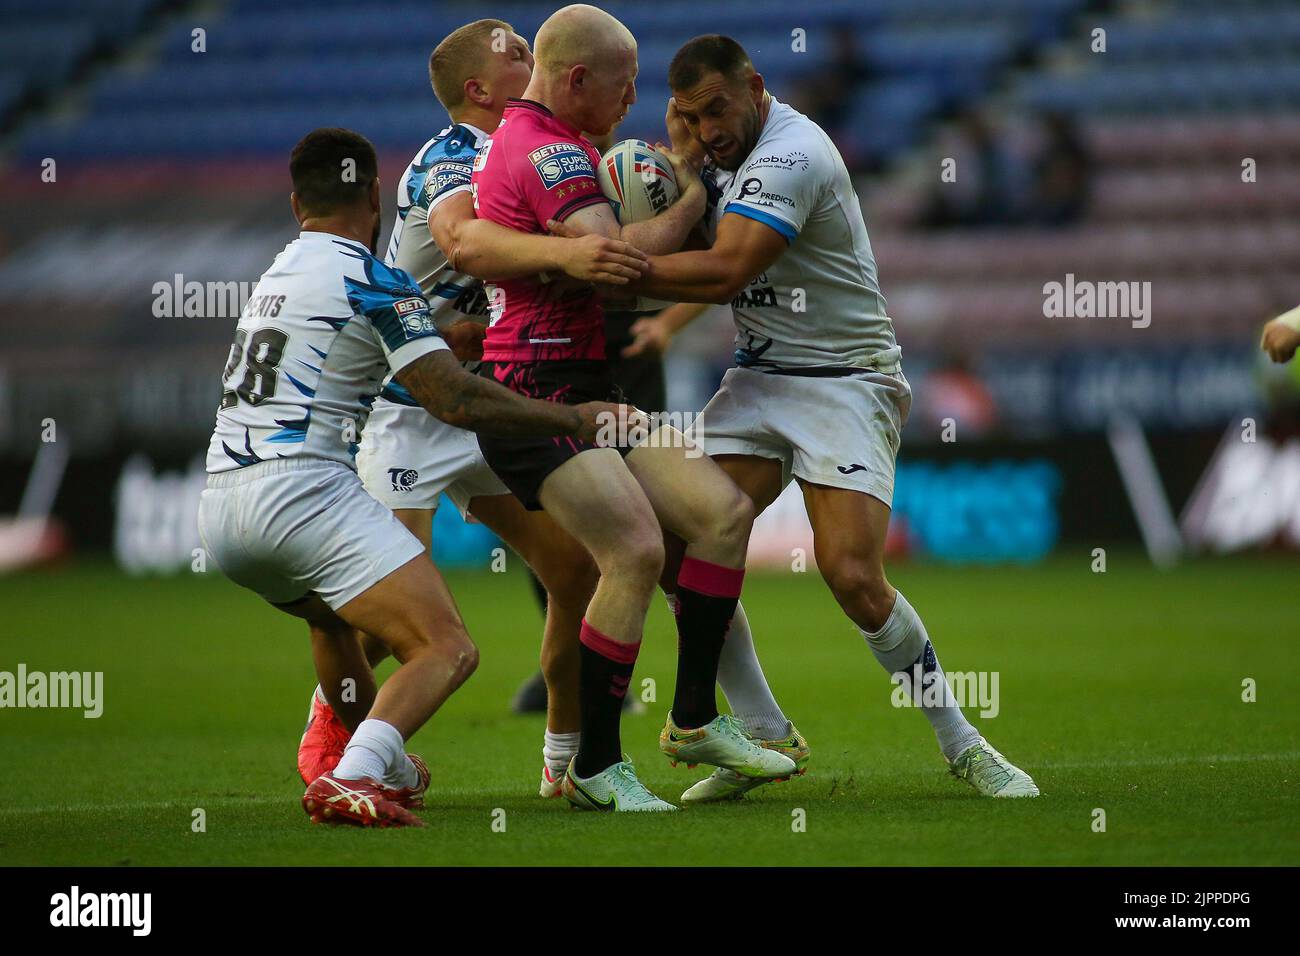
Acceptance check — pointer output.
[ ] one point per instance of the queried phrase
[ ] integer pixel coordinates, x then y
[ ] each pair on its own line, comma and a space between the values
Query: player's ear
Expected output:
475, 93
756, 88
293, 204
376, 203
577, 76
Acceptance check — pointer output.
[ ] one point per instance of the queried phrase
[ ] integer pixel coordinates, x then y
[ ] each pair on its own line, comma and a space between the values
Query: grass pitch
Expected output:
1119, 691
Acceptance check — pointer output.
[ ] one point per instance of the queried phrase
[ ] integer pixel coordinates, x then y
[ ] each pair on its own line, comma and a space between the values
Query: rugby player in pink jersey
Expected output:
617, 502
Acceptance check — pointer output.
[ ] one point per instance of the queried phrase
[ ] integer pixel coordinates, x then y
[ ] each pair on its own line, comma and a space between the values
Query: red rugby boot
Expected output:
358, 802
322, 743
410, 797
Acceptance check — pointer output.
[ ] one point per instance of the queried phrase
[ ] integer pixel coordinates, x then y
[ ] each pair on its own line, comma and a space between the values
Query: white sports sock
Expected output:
375, 750
404, 776
903, 644
558, 750
741, 678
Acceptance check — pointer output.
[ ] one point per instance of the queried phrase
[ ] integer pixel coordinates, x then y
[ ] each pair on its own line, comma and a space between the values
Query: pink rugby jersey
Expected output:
536, 167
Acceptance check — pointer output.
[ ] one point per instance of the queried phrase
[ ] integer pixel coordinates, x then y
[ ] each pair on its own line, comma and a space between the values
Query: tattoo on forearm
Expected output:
459, 398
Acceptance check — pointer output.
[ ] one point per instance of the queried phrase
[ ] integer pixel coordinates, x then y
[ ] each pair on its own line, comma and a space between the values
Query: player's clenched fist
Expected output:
1281, 337
465, 338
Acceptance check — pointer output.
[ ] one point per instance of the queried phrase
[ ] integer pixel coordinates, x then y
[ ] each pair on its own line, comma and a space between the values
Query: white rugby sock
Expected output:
404, 776
903, 644
741, 678
558, 750
375, 750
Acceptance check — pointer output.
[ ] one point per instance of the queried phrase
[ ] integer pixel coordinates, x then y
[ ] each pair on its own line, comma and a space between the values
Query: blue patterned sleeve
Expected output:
391, 301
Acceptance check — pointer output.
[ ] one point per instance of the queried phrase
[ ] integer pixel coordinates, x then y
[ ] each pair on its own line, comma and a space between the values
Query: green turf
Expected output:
1119, 691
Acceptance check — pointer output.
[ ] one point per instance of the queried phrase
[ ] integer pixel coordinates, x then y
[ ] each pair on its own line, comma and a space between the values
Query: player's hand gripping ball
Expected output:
637, 180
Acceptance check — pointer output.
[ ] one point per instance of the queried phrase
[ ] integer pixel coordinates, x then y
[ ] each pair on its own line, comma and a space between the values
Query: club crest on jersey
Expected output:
403, 479
557, 162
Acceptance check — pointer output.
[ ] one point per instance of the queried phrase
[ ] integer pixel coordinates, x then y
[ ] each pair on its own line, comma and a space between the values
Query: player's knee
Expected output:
638, 557
729, 518
645, 556
459, 655
444, 640
464, 660
860, 588
737, 518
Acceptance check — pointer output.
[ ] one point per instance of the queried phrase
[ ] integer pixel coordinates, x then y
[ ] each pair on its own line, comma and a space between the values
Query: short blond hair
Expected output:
460, 55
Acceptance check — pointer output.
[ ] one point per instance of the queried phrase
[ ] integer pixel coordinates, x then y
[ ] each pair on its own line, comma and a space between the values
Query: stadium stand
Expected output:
42, 49
1182, 96
270, 71
172, 161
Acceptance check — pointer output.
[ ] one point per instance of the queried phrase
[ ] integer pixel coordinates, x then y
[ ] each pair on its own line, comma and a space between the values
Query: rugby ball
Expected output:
637, 181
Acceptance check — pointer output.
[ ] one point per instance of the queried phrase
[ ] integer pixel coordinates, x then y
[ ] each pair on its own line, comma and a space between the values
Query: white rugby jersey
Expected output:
795, 181
325, 324
439, 170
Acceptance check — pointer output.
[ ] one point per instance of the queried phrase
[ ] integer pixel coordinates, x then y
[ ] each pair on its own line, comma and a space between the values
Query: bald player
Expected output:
818, 394
538, 167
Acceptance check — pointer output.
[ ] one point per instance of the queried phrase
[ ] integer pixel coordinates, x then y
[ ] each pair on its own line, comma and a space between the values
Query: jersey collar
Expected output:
319, 236
772, 104
544, 110
520, 103
479, 135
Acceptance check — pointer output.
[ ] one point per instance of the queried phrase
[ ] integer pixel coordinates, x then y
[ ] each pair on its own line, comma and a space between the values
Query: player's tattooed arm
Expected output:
449, 393
490, 251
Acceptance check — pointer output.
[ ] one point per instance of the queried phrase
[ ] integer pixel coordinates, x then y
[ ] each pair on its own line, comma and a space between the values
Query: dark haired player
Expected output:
818, 394
284, 513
